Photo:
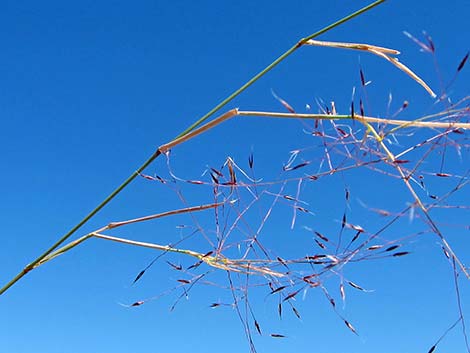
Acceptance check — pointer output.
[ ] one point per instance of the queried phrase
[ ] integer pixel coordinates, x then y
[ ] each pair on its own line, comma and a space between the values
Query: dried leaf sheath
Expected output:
226, 116
379, 51
355, 46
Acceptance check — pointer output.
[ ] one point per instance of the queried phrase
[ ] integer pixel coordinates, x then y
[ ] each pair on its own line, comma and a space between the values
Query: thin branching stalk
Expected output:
417, 199
234, 113
419, 123
163, 214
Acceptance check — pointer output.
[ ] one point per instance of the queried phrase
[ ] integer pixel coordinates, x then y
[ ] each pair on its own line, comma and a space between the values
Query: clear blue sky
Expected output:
90, 89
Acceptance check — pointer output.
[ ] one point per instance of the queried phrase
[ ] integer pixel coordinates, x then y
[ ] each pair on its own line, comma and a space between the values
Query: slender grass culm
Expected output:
232, 253
157, 153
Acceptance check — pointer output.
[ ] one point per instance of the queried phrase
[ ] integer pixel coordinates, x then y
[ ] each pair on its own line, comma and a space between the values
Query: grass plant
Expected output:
351, 141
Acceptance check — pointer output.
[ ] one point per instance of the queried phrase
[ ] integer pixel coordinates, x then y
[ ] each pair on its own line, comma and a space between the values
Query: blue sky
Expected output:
90, 89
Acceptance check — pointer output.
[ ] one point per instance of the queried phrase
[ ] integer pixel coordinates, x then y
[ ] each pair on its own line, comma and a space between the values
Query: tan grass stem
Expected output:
402, 123
213, 261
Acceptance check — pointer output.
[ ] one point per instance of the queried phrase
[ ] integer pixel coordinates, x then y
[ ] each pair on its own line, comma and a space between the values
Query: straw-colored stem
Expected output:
213, 261
113, 194
148, 245
448, 113
368, 119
